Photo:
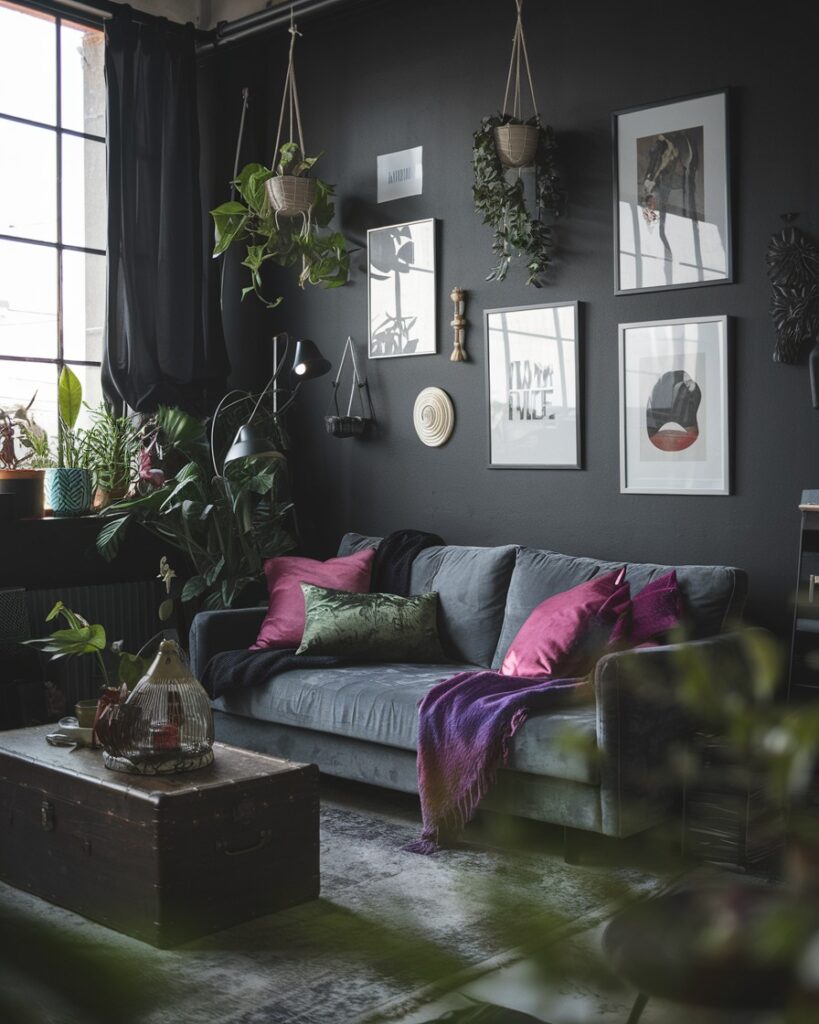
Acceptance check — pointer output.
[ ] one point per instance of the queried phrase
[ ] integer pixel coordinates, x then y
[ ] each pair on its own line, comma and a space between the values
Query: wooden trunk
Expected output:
163, 859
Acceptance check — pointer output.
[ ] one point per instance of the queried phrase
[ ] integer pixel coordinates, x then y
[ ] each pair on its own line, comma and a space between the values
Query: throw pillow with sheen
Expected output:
567, 633
654, 611
371, 627
284, 623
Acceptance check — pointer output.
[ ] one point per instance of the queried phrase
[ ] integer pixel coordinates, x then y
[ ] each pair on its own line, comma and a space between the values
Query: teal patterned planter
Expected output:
68, 491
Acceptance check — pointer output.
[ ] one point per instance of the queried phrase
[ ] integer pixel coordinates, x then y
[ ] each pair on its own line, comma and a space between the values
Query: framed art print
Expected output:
533, 386
672, 216
401, 290
674, 407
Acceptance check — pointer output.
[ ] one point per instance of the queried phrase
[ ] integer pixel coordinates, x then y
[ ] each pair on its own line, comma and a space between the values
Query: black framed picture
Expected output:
672, 204
401, 290
533, 386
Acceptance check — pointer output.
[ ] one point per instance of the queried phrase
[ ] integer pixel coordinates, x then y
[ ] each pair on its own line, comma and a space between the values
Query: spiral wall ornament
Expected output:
433, 417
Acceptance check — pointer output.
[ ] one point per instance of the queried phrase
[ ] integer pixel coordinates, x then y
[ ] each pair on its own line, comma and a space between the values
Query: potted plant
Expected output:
114, 444
502, 201
284, 210
321, 256
508, 140
226, 525
68, 486
23, 452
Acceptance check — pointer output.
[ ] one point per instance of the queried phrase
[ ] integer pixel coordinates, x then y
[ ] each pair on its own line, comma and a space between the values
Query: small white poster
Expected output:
400, 174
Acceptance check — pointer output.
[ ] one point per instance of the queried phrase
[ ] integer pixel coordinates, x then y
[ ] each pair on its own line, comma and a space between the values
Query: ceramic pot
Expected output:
22, 493
68, 491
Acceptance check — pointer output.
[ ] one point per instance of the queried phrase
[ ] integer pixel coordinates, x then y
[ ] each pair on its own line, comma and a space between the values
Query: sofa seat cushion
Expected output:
379, 704
471, 583
712, 595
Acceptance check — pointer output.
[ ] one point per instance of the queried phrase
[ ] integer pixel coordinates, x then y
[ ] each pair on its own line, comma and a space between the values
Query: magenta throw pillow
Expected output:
654, 611
567, 633
283, 625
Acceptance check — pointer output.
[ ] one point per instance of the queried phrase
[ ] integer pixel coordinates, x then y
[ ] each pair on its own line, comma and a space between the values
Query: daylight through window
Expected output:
52, 207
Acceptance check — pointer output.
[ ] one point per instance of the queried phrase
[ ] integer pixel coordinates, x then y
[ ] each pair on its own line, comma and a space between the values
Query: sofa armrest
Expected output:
641, 718
229, 629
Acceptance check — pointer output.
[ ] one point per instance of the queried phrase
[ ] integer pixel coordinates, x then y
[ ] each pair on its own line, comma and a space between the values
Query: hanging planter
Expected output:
301, 207
509, 141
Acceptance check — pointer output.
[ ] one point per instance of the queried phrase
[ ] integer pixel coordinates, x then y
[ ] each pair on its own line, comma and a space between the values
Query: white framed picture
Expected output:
533, 386
674, 407
672, 209
401, 290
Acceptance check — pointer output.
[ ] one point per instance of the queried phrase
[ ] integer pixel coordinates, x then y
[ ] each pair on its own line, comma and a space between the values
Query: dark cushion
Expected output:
713, 595
371, 627
471, 584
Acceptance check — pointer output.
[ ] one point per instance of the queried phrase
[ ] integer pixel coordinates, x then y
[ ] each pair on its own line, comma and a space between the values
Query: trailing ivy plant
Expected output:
320, 255
499, 198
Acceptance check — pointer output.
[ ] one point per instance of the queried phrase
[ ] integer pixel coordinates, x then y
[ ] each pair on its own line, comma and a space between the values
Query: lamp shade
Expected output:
250, 443
308, 362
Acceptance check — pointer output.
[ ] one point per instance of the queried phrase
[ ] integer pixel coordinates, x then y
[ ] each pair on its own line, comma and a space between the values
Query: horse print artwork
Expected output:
669, 175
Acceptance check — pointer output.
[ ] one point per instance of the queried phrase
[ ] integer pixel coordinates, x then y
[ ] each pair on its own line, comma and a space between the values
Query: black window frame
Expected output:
59, 15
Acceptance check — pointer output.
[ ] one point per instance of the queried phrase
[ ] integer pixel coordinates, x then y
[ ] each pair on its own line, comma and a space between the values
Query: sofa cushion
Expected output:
371, 627
471, 583
379, 704
283, 625
712, 594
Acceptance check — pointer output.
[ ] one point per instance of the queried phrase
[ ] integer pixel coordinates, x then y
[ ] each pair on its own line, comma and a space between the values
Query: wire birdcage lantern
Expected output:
165, 726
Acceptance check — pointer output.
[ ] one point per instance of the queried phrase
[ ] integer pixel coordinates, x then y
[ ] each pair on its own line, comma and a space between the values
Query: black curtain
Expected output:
158, 350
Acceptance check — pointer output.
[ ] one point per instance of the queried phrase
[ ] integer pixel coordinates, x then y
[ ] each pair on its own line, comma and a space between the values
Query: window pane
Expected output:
19, 382
28, 64
84, 201
83, 305
82, 52
28, 181
28, 300
91, 391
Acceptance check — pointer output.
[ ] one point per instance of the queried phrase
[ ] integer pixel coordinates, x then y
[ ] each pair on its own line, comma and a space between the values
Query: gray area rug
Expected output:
389, 927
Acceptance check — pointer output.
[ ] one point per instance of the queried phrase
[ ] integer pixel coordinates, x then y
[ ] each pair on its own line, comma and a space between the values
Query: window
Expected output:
52, 206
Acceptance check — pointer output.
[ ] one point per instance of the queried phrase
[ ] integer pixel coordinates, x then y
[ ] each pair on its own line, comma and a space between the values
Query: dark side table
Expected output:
700, 947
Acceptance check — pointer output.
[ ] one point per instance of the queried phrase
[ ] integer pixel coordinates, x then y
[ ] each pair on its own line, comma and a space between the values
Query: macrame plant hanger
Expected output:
291, 195
349, 425
517, 143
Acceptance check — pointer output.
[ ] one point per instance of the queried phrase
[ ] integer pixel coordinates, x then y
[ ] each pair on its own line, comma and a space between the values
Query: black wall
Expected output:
392, 75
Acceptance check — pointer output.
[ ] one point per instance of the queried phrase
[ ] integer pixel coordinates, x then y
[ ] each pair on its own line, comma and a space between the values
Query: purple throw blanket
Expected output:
464, 728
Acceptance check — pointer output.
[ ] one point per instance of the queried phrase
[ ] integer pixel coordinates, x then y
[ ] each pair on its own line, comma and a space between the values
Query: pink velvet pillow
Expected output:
654, 611
283, 625
567, 633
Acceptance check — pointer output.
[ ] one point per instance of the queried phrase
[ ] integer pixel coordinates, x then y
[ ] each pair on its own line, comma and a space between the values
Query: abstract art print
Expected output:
533, 386
672, 223
674, 407
401, 290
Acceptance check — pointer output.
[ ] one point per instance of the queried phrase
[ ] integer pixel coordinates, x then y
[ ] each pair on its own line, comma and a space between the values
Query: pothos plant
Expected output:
320, 255
500, 199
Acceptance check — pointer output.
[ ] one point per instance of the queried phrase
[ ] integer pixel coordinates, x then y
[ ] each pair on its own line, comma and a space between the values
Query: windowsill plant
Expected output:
24, 450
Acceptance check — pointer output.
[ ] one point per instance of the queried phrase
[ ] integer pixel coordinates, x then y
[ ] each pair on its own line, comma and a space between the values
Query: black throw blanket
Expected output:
238, 670
393, 560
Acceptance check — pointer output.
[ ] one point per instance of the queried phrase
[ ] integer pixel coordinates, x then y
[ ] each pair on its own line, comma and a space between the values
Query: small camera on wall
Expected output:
347, 425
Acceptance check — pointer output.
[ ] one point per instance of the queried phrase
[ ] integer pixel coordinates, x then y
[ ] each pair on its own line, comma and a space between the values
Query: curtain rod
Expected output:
101, 11
271, 17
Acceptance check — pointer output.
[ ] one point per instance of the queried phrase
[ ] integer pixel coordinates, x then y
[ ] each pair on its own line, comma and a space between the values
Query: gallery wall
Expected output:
392, 75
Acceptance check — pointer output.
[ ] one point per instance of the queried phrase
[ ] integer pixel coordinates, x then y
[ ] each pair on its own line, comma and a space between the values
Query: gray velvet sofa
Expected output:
360, 722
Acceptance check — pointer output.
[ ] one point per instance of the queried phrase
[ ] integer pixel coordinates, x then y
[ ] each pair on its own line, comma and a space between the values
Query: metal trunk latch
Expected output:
47, 815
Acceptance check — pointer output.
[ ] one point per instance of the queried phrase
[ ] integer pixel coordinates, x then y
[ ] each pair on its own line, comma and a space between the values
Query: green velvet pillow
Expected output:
371, 627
